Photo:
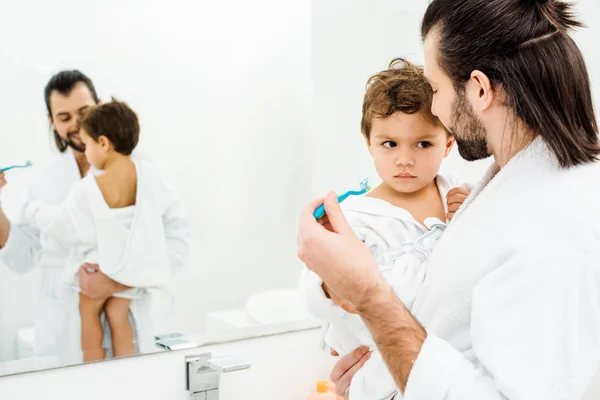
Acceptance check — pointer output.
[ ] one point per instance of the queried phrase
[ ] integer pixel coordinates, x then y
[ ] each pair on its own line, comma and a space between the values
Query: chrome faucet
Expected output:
203, 374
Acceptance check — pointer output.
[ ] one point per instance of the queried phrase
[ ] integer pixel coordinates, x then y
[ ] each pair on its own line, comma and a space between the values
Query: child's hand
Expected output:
455, 199
338, 300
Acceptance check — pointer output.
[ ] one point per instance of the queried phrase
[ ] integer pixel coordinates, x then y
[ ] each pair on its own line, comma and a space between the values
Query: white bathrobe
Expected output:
400, 245
58, 326
511, 299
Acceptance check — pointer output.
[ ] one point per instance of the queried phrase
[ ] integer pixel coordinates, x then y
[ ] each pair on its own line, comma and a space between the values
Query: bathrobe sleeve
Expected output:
23, 245
315, 300
311, 285
69, 223
553, 290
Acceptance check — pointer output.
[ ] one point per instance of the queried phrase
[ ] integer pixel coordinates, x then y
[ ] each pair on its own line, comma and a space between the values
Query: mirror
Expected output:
249, 108
222, 94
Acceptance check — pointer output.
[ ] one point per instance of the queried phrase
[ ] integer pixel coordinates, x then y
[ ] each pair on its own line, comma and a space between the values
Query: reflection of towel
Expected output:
400, 246
129, 244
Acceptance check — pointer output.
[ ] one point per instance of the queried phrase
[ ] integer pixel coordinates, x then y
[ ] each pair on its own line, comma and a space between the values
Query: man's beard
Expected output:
468, 131
80, 147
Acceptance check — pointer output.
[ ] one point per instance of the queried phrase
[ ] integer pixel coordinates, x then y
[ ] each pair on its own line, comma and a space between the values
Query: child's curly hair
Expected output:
400, 88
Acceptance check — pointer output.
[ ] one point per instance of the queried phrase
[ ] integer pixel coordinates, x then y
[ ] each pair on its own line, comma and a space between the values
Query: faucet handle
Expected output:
228, 364
203, 373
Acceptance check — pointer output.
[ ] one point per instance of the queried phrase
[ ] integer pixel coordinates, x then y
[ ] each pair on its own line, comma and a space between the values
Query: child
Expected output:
114, 220
400, 220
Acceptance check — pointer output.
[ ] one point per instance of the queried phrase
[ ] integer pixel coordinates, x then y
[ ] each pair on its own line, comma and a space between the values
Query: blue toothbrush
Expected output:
27, 164
364, 188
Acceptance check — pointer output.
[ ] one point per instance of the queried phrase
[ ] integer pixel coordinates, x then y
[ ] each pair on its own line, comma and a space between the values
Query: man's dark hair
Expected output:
523, 46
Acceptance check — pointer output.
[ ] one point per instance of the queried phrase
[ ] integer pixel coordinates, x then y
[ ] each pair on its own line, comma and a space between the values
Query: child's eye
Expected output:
389, 144
424, 145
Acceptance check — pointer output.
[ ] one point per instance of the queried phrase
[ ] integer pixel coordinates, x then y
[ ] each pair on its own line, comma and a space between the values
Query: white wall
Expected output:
222, 89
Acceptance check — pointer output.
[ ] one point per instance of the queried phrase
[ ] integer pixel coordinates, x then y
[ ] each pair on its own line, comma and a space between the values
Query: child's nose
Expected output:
405, 159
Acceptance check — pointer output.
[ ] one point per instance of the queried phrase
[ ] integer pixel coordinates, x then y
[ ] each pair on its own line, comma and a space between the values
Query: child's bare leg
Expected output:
91, 328
117, 313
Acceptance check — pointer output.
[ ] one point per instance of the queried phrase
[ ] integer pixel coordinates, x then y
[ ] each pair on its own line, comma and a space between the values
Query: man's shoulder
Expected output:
57, 164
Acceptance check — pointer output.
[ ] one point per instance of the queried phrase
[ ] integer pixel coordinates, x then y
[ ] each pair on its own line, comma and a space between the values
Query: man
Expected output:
510, 306
22, 248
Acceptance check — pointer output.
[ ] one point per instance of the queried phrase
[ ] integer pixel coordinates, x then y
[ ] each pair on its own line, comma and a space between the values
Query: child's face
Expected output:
96, 152
408, 150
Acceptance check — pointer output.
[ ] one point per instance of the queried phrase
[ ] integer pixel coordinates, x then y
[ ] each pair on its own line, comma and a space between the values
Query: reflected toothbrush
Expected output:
364, 188
27, 164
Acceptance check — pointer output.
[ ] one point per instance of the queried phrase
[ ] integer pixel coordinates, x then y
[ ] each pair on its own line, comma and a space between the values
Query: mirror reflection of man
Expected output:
22, 248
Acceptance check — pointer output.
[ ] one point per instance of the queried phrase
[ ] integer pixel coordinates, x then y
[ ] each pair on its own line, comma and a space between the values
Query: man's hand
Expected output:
455, 198
4, 222
95, 284
331, 249
2, 180
346, 266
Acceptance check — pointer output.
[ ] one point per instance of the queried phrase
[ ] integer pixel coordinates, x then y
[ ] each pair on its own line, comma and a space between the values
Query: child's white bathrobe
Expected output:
135, 246
400, 245
511, 299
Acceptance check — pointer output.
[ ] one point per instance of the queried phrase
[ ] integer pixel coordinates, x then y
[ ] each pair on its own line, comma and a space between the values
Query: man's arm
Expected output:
397, 333
534, 318
19, 243
533, 326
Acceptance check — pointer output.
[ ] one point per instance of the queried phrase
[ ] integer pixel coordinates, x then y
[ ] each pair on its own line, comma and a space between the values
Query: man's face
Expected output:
65, 113
453, 108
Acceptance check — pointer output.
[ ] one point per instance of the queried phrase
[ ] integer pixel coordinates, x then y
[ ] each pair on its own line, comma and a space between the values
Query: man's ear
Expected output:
480, 91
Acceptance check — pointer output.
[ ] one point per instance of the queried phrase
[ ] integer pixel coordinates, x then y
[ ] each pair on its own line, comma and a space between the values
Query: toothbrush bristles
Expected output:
364, 185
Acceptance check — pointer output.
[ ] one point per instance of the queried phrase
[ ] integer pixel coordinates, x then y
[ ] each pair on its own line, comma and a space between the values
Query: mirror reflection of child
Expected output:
400, 220
115, 220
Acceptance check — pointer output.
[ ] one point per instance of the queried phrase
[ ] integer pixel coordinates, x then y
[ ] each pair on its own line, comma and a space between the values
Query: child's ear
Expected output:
449, 144
104, 143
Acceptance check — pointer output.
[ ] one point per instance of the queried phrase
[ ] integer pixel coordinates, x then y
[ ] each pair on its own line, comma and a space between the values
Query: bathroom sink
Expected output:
276, 306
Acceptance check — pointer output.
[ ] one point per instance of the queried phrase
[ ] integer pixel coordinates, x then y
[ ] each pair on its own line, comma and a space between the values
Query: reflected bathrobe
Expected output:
57, 328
